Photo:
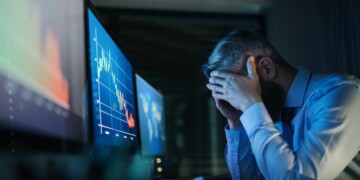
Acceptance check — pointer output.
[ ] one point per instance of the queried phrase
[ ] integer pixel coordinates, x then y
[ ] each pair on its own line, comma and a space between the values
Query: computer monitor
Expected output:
151, 118
42, 71
112, 89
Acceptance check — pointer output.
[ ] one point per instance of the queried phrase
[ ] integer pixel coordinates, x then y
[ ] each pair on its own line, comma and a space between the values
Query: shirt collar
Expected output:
296, 93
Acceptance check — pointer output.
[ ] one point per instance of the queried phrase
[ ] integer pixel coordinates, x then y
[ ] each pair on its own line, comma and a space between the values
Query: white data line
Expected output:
113, 116
103, 104
98, 44
113, 92
117, 80
99, 83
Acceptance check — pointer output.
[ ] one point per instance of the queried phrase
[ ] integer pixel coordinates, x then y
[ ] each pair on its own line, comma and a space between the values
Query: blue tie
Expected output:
286, 117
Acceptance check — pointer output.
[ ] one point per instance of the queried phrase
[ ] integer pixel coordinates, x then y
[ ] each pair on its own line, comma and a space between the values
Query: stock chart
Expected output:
112, 89
41, 70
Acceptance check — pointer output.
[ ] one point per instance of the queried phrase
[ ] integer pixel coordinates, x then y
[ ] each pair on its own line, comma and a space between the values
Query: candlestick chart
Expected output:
112, 89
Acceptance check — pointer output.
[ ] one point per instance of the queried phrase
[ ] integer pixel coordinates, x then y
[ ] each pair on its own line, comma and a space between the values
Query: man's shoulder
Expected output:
320, 84
319, 80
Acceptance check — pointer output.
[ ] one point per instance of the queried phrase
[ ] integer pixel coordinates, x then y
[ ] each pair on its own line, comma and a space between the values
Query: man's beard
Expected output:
273, 97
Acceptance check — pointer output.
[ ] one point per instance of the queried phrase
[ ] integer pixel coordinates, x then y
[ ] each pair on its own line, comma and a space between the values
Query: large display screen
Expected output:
42, 68
114, 115
151, 118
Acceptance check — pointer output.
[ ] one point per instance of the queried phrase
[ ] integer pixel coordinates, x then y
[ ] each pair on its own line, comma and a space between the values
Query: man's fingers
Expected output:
215, 88
251, 68
220, 74
217, 80
218, 96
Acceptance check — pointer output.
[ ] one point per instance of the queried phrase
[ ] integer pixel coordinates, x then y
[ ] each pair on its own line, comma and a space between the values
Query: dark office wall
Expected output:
322, 35
297, 30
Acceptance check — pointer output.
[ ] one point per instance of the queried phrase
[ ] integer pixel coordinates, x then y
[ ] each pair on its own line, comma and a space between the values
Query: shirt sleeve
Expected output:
239, 156
330, 141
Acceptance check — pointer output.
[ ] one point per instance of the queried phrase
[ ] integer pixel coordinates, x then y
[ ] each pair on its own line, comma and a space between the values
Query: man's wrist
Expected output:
254, 116
250, 103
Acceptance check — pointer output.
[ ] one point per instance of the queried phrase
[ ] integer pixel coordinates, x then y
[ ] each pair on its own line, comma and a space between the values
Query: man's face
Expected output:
272, 94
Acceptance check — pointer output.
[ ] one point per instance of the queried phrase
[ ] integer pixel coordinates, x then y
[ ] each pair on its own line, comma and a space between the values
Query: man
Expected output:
283, 123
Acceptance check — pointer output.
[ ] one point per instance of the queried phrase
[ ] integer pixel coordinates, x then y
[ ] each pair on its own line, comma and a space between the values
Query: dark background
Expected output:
167, 47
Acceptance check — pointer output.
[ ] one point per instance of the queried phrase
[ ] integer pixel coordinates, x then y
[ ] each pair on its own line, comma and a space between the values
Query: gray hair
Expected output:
241, 44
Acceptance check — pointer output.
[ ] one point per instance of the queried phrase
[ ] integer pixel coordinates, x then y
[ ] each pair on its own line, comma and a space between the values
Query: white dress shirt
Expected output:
326, 132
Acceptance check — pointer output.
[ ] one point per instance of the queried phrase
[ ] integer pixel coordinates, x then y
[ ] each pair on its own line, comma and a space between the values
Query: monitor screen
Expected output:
42, 81
114, 114
151, 118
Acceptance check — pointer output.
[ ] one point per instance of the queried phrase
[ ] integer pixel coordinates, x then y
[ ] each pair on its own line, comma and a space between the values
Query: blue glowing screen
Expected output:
151, 118
114, 114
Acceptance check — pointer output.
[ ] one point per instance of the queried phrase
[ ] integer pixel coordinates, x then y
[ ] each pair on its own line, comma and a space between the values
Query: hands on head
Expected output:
229, 112
239, 91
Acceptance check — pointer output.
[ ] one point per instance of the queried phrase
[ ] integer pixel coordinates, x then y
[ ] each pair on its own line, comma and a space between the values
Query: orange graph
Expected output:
34, 61
54, 80
129, 118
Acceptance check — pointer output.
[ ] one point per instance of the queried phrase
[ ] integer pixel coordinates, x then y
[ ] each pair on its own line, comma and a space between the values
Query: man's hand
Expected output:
229, 112
240, 91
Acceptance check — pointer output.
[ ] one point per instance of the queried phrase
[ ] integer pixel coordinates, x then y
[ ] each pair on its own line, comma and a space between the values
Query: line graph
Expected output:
104, 63
112, 87
42, 77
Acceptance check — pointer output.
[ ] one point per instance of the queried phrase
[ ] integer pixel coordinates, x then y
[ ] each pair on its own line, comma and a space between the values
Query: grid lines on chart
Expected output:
105, 65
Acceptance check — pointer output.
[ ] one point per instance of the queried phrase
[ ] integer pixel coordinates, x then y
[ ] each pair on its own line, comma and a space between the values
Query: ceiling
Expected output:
210, 6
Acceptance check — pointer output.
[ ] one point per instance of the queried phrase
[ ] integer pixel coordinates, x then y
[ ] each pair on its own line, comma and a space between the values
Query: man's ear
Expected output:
266, 68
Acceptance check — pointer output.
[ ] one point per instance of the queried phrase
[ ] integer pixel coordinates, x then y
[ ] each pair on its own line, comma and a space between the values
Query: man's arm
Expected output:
330, 131
331, 137
238, 153
239, 156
